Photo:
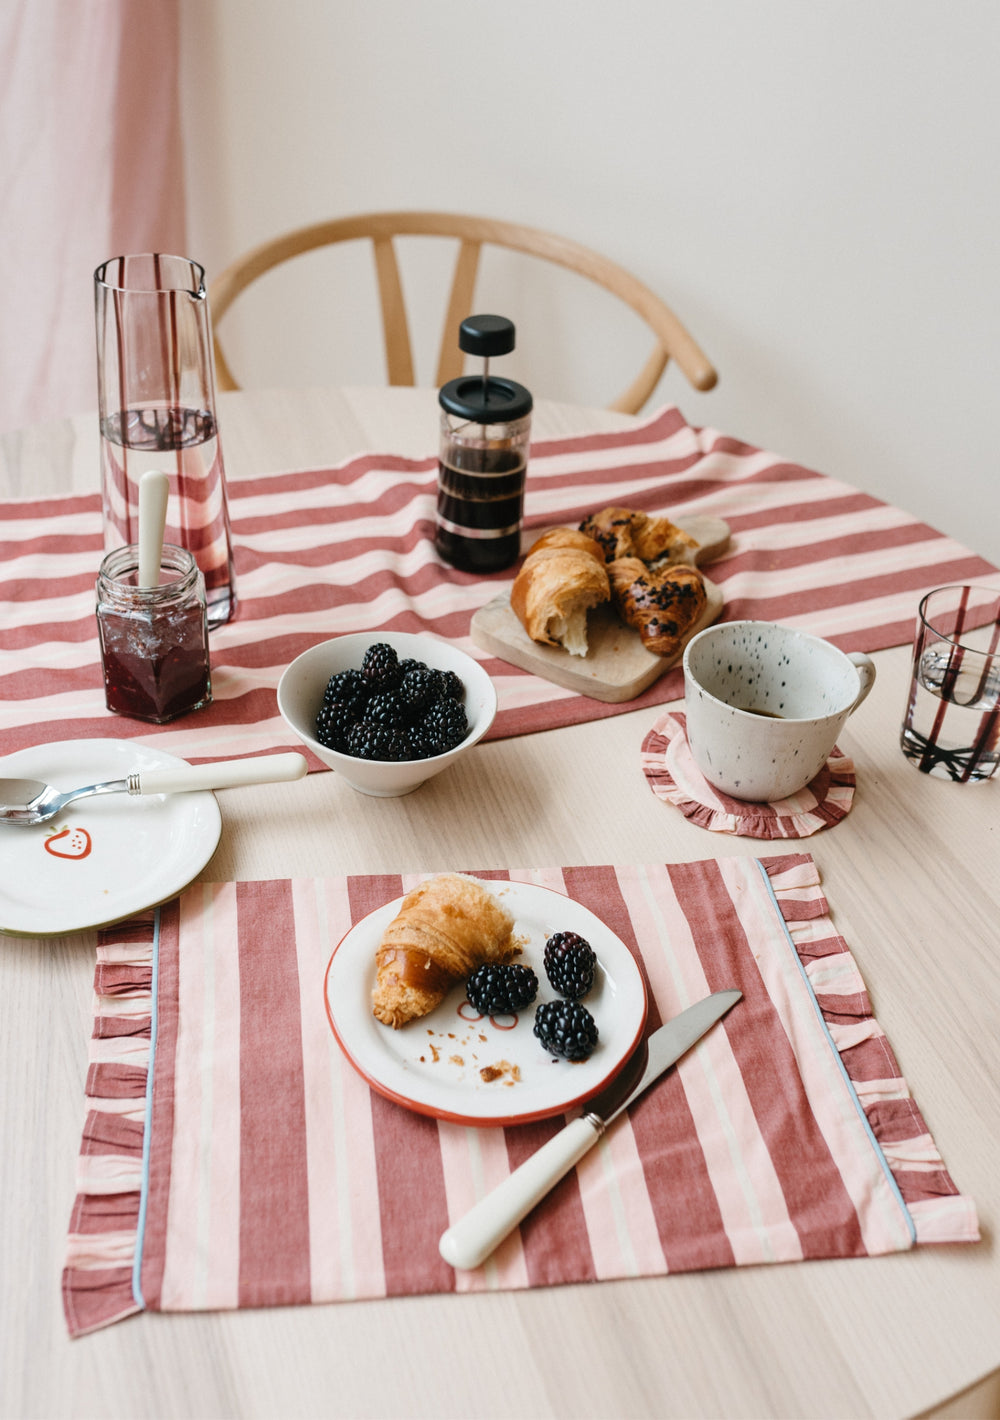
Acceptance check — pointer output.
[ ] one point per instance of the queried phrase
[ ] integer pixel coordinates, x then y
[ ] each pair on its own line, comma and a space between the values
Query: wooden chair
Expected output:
673, 341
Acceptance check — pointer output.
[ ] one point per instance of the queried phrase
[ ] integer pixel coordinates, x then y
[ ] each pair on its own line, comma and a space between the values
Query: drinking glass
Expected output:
952, 723
156, 394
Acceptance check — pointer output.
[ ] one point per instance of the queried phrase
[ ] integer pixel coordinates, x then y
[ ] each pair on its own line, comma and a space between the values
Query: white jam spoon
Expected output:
153, 490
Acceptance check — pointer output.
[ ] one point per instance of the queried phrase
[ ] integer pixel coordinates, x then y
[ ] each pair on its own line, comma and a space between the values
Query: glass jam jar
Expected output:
154, 640
483, 458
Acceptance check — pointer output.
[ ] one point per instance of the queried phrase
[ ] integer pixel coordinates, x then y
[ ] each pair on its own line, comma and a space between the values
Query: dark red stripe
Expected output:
104, 1213
819, 1206
553, 1235
96, 1297
160, 1144
111, 1134
116, 1082
274, 1194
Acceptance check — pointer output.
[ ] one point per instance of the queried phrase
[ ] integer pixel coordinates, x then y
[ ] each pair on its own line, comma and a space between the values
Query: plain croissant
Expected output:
662, 606
444, 929
563, 576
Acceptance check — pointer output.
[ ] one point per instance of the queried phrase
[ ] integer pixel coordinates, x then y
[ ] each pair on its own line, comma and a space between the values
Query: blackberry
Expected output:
566, 1028
416, 743
366, 740
451, 685
418, 687
380, 666
386, 708
444, 726
570, 964
345, 685
334, 721
501, 989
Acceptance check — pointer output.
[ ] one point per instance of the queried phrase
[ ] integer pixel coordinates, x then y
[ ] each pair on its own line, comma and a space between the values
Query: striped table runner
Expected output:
321, 552
232, 1157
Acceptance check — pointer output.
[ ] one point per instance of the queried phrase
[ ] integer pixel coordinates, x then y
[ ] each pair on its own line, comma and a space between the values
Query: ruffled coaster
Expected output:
672, 774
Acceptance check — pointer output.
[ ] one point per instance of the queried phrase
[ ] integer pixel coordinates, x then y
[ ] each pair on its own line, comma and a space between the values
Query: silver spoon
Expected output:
29, 801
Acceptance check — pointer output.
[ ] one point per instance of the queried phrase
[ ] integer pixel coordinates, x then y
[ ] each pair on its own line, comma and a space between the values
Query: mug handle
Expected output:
865, 667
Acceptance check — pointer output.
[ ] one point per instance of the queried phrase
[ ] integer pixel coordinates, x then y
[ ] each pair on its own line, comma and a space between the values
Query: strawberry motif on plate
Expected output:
70, 843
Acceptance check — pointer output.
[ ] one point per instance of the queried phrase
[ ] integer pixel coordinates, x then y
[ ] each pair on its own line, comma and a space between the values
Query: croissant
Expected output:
563, 576
623, 532
662, 606
444, 929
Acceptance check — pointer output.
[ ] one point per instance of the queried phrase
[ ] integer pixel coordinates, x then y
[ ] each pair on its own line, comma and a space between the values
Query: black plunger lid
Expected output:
485, 399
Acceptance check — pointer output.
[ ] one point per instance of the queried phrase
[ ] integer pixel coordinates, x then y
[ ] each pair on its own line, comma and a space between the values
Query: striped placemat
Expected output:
232, 1157
320, 552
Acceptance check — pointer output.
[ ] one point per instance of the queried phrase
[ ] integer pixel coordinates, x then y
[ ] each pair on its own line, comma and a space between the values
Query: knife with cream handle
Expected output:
470, 1241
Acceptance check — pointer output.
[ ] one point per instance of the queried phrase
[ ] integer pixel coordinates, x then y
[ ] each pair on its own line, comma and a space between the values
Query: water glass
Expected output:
156, 394
952, 723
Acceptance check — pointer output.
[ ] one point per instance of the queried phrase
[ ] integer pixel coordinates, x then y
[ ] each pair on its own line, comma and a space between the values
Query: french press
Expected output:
483, 461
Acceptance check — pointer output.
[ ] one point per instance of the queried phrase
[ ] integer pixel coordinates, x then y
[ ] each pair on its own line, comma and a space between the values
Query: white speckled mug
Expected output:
764, 705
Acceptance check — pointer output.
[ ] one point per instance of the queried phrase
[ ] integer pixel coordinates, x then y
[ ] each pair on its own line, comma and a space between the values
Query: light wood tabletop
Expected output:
913, 882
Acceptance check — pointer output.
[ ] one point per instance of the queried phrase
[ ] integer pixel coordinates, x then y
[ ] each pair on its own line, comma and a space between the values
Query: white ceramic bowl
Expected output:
300, 695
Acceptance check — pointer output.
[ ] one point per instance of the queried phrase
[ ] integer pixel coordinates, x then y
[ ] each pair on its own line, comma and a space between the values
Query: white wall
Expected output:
813, 186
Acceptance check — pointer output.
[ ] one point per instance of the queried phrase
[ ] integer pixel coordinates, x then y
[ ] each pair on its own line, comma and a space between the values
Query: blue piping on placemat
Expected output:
148, 1126
894, 1186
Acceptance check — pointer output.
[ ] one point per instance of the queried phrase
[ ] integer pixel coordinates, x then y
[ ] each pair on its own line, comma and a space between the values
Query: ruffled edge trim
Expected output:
103, 1244
938, 1212
815, 812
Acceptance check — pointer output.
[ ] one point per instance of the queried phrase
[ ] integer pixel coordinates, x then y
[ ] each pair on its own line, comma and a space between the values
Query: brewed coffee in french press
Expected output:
483, 460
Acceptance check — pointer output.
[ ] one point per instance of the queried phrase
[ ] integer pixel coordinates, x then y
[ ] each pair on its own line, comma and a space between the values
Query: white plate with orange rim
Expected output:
459, 1066
102, 858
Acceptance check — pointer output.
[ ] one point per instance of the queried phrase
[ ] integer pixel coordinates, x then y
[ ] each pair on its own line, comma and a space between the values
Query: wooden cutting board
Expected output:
617, 666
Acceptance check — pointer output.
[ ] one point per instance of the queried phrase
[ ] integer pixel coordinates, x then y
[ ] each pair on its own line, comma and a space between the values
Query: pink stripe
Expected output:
202, 1233
344, 1222
474, 1161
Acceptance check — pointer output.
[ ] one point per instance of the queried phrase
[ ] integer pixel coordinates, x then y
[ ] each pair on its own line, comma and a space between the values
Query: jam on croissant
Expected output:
445, 928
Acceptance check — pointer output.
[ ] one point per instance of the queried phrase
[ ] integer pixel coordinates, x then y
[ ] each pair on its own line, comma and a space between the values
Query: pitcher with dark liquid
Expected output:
483, 462
156, 393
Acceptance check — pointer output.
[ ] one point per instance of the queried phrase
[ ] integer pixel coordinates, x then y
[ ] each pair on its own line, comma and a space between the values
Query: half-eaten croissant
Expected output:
563, 576
445, 928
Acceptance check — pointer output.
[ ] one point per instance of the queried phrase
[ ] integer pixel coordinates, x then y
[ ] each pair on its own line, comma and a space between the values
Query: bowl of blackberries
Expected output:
387, 710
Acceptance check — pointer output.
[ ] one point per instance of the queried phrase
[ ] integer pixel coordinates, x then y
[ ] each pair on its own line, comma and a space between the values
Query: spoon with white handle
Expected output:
154, 489
29, 801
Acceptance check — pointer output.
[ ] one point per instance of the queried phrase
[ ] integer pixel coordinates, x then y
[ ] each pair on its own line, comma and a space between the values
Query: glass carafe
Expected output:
156, 394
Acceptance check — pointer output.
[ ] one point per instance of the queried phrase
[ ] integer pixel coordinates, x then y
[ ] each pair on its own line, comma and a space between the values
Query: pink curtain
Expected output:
90, 167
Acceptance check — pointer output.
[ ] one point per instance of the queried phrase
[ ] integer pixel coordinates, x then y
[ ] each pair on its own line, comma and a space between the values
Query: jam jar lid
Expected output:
486, 398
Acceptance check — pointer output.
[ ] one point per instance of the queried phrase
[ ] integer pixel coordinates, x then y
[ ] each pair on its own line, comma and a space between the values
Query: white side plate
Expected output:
103, 858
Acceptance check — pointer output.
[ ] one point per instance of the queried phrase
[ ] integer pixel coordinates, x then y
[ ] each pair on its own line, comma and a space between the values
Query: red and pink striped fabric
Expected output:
232, 1157
324, 551
672, 775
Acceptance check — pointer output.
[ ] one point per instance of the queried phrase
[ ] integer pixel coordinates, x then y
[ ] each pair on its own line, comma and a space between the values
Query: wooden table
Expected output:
913, 881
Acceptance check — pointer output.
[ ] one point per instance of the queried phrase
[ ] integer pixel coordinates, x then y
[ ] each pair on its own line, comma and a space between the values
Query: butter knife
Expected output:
470, 1241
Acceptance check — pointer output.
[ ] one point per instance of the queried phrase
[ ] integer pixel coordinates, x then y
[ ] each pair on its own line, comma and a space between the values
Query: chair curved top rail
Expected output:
673, 340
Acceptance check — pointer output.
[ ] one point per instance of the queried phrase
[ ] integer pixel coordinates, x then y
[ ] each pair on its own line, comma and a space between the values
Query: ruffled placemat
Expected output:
321, 552
672, 774
232, 1157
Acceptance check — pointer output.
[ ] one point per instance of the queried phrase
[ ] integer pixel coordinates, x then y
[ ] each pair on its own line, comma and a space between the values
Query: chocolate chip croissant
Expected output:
444, 929
562, 577
662, 606
624, 532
